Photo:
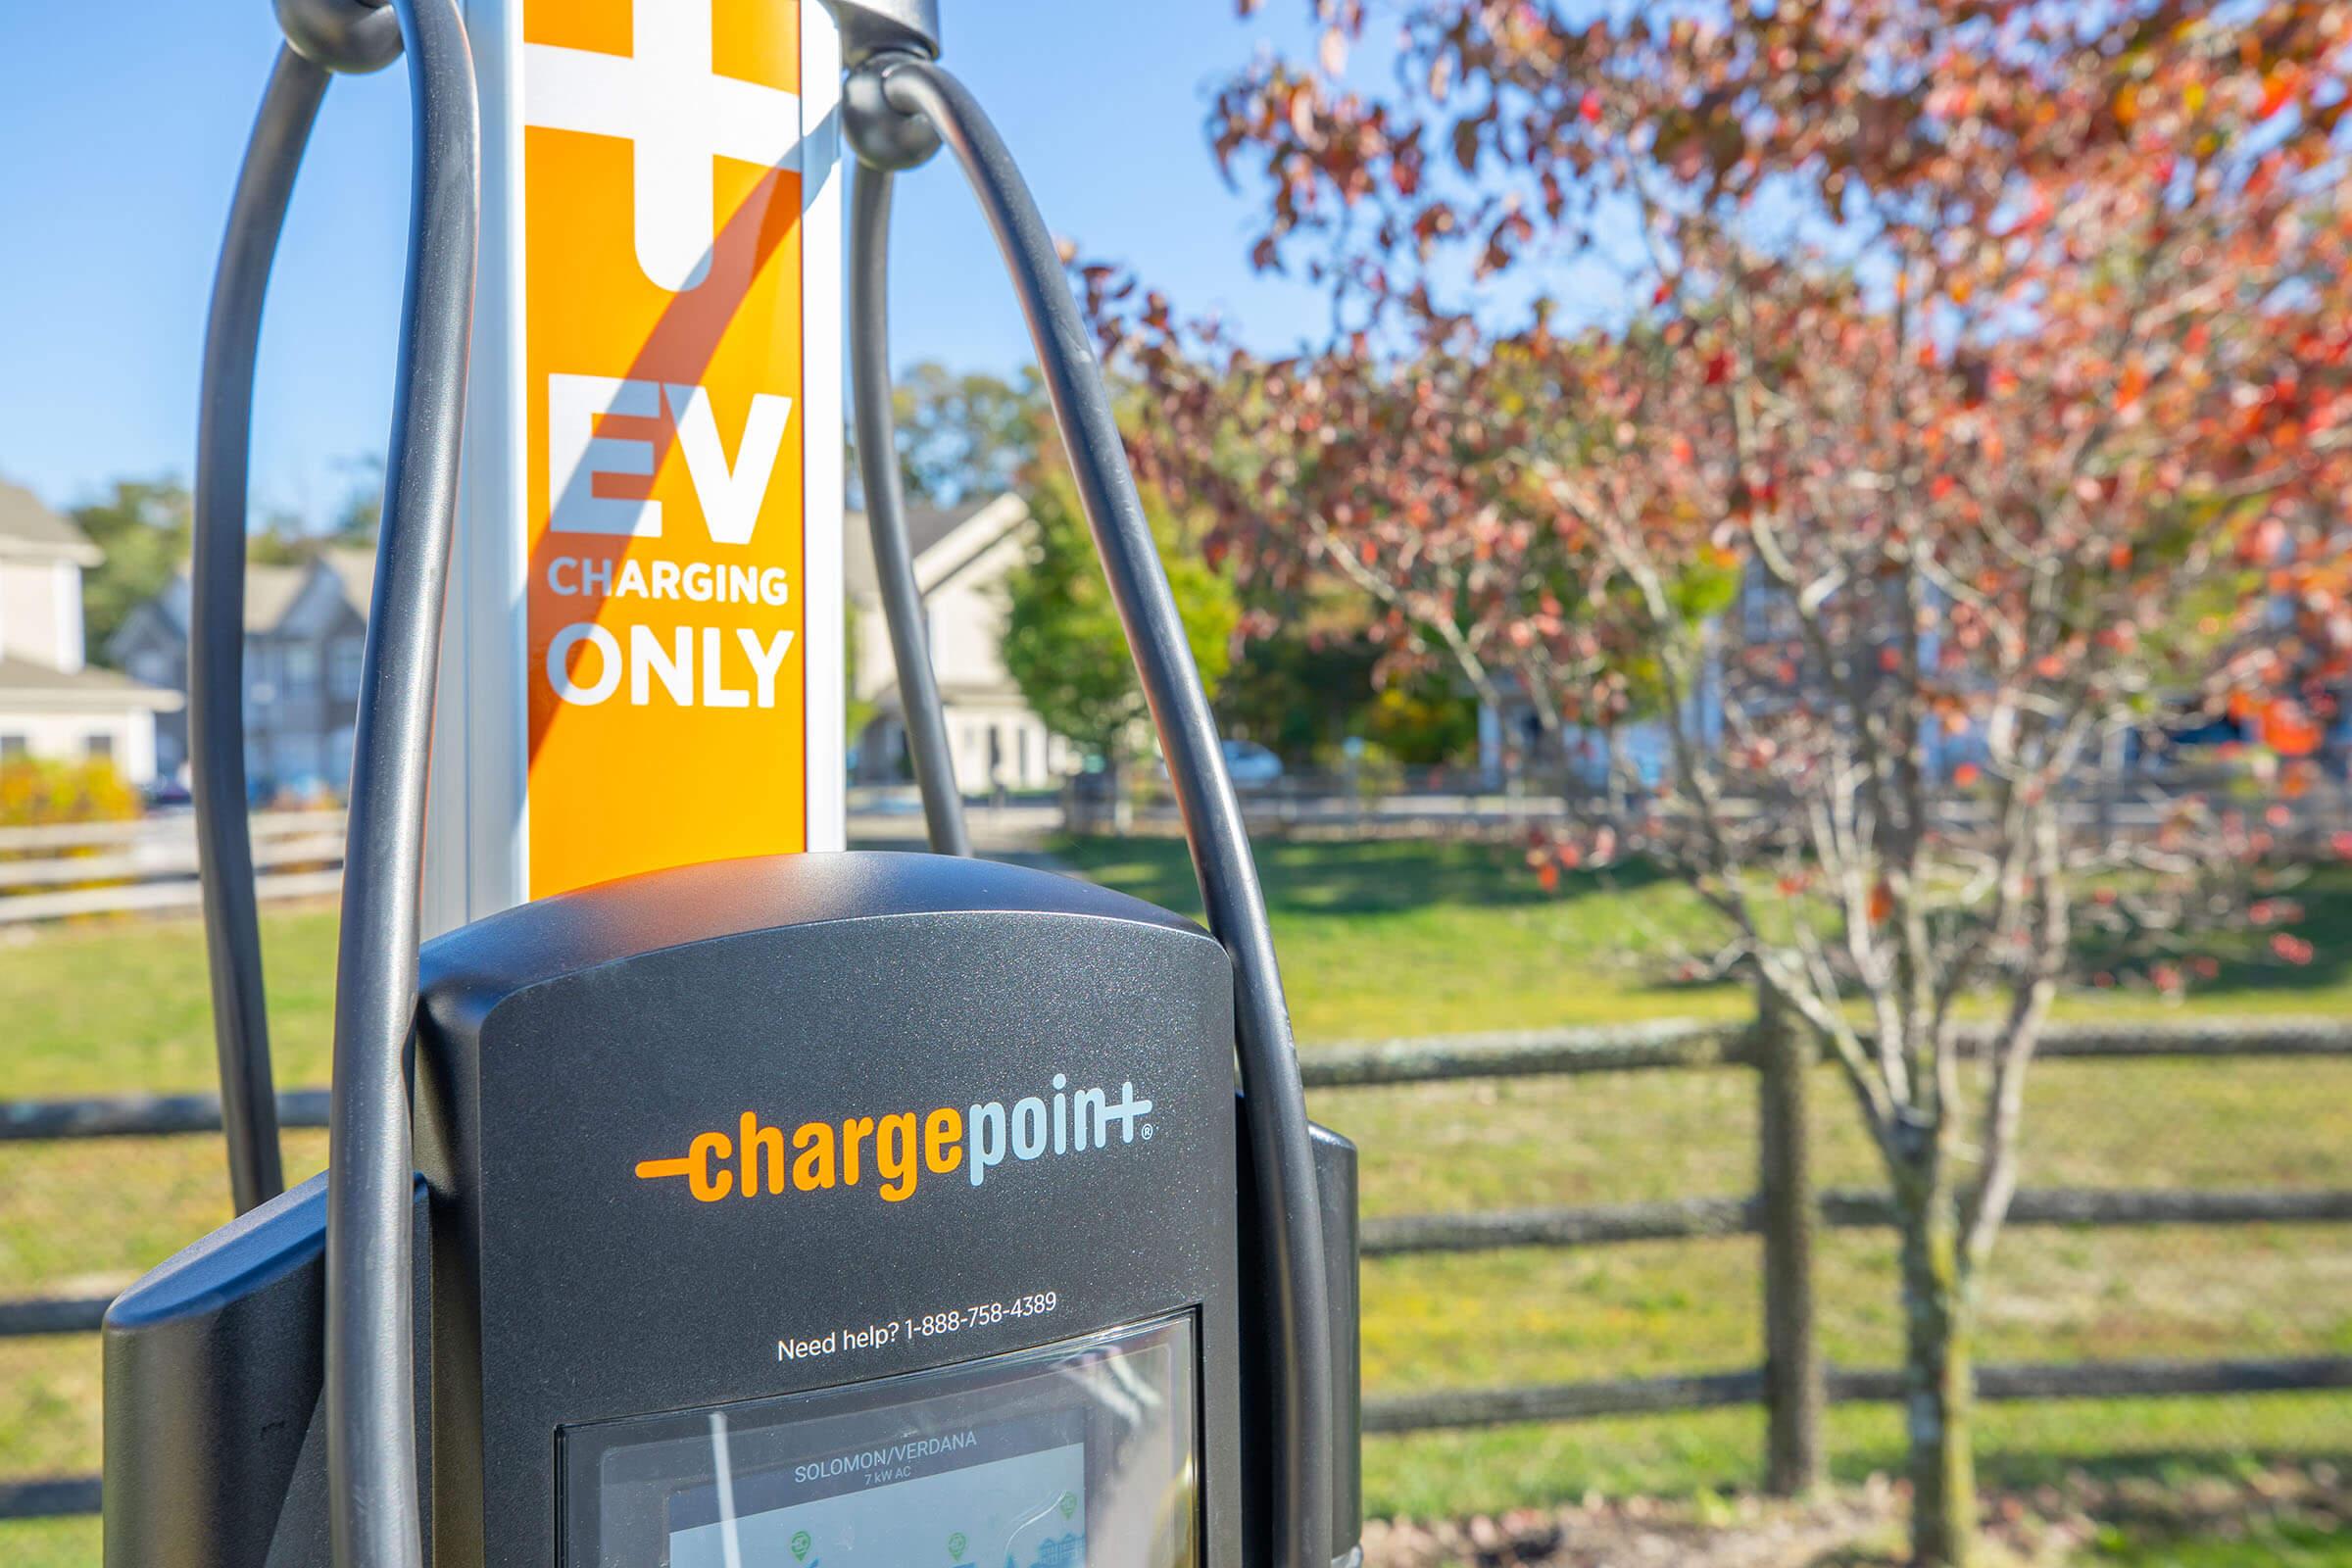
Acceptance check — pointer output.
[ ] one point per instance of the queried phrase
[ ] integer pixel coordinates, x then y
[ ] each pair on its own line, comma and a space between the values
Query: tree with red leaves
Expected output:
1900, 412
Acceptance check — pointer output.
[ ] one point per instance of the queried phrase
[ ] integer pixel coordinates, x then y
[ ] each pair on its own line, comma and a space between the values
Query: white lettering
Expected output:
716, 692
1028, 1127
576, 455
1124, 1114
667, 659
730, 495
1087, 1109
559, 673
985, 1128
766, 661
674, 664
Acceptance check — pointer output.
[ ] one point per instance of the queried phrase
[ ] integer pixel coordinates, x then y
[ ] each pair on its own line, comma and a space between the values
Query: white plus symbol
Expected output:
680, 113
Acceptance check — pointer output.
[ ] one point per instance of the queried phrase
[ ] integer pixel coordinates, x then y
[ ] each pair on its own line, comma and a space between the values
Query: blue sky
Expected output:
122, 126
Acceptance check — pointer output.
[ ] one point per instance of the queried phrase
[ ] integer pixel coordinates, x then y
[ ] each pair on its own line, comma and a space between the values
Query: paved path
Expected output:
1018, 834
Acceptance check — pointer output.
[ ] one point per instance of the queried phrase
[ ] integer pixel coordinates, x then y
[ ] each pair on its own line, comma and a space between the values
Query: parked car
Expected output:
1250, 765
164, 793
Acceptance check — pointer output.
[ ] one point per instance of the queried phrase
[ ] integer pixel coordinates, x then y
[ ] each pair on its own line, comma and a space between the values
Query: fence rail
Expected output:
1381, 801
1697, 1218
1683, 1045
1794, 1396
149, 866
2079, 1380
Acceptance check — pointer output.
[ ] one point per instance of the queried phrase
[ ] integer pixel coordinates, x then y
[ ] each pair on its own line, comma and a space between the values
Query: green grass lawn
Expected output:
1383, 940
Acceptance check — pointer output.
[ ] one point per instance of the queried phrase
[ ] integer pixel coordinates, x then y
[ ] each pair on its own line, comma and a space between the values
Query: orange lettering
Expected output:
855, 1130
815, 1166
895, 1158
943, 1139
705, 1178
755, 1139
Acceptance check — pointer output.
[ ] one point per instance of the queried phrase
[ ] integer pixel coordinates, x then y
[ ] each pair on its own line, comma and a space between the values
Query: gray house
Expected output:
306, 627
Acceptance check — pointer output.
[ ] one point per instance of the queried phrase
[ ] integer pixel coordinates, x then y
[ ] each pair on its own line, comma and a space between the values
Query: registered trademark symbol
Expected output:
1147, 1132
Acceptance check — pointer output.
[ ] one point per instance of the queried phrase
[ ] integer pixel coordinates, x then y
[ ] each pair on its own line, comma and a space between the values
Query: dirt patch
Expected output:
1862, 1527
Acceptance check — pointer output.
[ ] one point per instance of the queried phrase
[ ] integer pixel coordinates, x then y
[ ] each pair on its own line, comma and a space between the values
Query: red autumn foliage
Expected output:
1882, 390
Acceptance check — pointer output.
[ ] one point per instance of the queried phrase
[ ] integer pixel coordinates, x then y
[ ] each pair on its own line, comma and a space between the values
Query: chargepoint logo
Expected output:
896, 1149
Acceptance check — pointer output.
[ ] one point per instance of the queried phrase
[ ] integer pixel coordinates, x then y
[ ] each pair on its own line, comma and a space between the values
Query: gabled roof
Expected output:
29, 528
357, 571
273, 591
927, 529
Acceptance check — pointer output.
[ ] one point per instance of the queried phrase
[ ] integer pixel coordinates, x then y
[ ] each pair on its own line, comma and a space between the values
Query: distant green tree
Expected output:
1309, 679
280, 539
1298, 691
1423, 720
1062, 643
143, 526
966, 433
363, 513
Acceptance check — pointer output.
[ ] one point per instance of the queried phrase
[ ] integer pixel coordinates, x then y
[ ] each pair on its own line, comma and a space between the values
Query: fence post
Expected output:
1794, 1382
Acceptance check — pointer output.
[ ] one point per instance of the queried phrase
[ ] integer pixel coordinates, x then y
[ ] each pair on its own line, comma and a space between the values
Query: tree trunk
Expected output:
1122, 810
1940, 1385
1793, 1380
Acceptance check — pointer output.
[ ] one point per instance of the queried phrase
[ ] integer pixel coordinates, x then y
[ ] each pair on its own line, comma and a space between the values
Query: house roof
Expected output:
26, 684
356, 569
927, 528
29, 528
271, 591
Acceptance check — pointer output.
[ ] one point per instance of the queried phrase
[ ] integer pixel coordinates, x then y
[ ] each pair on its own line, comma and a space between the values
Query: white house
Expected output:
53, 706
962, 556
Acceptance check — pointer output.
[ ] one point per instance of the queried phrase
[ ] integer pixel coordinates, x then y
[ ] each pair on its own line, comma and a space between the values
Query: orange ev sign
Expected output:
663, 362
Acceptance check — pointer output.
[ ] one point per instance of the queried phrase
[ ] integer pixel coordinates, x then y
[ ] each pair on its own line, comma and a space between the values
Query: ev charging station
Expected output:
703, 1193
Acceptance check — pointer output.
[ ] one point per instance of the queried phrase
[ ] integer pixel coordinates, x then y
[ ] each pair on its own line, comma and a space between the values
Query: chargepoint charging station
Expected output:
702, 1193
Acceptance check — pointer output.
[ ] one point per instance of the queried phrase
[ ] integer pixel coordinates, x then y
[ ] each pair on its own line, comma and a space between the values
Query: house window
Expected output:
98, 746
343, 669
302, 672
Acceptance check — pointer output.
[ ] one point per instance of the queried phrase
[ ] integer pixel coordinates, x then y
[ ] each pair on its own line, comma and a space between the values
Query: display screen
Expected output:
1078, 1452
1012, 1492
